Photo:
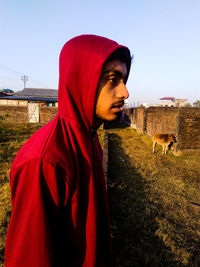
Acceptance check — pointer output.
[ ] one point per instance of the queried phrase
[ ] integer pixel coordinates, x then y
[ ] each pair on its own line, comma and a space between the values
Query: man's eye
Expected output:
113, 80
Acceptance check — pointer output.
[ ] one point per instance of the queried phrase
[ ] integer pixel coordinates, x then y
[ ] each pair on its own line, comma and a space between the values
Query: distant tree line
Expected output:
196, 104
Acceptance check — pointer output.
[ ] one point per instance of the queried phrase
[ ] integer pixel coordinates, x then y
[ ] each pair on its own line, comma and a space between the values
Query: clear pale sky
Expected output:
163, 36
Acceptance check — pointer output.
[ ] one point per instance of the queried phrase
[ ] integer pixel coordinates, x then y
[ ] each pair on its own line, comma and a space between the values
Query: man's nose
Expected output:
122, 91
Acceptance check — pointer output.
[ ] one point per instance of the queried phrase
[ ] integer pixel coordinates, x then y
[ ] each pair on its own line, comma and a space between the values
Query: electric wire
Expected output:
19, 73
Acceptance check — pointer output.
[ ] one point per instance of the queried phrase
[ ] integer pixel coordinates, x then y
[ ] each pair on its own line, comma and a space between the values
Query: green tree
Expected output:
188, 105
196, 104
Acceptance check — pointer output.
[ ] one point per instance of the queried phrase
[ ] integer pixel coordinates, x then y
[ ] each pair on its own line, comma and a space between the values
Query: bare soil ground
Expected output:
154, 202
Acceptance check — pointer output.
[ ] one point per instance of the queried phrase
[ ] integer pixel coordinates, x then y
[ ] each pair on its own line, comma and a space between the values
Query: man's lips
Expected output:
118, 106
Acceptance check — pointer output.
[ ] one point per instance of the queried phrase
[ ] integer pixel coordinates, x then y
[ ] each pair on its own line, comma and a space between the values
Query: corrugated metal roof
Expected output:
30, 98
37, 92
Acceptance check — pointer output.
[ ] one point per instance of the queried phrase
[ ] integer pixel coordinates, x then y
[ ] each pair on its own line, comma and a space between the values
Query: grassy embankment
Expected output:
154, 222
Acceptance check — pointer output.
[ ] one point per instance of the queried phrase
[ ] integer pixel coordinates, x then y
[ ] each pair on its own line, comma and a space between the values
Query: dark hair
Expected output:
122, 54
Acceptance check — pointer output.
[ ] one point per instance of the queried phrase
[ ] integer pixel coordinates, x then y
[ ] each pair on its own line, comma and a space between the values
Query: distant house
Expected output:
181, 102
46, 97
172, 102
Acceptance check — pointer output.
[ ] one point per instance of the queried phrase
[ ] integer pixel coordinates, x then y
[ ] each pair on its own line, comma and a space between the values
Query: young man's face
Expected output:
111, 90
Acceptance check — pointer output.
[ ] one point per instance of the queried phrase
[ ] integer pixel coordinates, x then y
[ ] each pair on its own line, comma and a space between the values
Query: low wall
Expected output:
189, 128
183, 122
47, 113
15, 114
19, 114
161, 119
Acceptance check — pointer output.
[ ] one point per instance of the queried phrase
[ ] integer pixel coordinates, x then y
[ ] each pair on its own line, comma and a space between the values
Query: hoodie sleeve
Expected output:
39, 191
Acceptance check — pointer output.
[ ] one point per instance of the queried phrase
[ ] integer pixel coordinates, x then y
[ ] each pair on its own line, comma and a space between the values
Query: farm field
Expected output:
154, 202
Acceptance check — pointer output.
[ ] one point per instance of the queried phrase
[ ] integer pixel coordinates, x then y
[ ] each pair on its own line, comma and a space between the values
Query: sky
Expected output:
162, 35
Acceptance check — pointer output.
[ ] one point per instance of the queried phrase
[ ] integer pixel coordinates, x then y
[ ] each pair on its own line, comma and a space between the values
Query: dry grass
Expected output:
153, 220
12, 138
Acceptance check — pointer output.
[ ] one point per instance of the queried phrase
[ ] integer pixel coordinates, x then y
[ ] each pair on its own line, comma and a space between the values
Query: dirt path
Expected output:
153, 221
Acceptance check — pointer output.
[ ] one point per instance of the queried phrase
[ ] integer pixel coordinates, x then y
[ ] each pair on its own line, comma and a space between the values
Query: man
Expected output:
60, 211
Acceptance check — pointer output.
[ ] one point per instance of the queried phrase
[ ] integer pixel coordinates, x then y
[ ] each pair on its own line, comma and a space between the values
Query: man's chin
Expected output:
109, 118
114, 117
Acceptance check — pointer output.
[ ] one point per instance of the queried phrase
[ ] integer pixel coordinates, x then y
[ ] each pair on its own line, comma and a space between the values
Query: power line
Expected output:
39, 83
5, 68
23, 75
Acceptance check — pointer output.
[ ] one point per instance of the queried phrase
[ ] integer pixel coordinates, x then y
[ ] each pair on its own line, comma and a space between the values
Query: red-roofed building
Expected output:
168, 98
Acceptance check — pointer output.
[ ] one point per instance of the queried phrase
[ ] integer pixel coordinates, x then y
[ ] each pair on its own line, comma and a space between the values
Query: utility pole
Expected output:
24, 78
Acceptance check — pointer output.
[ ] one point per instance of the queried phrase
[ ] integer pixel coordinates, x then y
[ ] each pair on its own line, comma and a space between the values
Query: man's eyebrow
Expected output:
116, 72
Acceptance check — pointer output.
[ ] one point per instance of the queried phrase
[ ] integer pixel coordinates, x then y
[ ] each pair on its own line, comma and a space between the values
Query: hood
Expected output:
80, 65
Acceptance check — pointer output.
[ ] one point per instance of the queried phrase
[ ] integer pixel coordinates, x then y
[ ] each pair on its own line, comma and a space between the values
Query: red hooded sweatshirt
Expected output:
60, 211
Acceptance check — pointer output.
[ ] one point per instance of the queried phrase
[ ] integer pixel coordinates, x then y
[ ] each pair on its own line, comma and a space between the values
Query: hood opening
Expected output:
80, 66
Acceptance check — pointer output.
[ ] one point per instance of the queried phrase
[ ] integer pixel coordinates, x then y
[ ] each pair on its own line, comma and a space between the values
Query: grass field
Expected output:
154, 222
11, 139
